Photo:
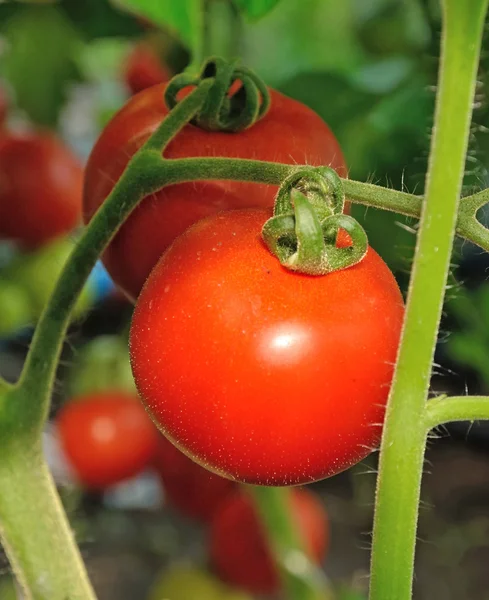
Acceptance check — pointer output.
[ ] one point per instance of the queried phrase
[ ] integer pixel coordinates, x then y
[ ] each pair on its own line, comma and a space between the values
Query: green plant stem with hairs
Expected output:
34, 526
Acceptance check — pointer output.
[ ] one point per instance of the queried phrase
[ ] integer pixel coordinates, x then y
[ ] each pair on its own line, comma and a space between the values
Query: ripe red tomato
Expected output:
238, 547
261, 374
40, 188
289, 133
191, 489
144, 69
107, 437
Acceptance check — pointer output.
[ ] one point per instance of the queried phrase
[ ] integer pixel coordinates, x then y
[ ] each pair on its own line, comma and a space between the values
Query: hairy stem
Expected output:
456, 408
34, 529
403, 443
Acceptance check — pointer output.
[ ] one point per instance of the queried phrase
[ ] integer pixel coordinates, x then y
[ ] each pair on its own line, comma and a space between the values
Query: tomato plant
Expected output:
107, 437
289, 372
238, 547
290, 132
40, 188
143, 69
191, 489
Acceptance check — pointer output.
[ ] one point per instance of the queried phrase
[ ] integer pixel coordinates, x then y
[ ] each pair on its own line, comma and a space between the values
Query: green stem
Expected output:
222, 30
34, 529
403, 442
137, 181
33, 525
301, 579
456, 408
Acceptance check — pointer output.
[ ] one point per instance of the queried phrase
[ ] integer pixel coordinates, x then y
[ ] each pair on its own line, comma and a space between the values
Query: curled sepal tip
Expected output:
237, 99
304, 243
321, 185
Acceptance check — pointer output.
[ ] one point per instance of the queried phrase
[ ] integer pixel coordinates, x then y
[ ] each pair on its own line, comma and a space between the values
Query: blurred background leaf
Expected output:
184, 18
38, 61
255, 9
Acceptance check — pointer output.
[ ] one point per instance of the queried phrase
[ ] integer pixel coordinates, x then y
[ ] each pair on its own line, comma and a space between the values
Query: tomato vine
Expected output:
24, 406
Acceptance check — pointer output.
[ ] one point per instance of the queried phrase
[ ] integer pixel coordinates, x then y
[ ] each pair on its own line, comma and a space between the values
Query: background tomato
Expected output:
143, 69
261, 374
40, 188
107, 437
237, 543
289, 133
191, 489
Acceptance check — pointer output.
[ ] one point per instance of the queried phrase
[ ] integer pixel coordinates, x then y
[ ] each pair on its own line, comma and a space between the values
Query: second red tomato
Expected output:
290, 133
107, 437
40, 188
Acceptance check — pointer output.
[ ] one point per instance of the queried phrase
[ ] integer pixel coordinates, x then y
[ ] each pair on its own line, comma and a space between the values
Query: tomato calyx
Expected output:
237, 99
307, 218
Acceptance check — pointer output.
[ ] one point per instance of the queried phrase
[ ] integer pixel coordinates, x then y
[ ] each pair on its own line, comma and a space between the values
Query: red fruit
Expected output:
143, 69
107, 437
238, 546
191, 489
289, 133
261, 374
40, 188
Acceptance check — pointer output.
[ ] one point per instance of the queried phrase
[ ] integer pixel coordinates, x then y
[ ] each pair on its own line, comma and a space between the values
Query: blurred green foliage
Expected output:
469, 345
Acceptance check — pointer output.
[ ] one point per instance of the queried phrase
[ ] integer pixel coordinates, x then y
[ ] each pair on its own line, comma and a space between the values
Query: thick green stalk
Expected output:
301, 580
35, 531
402, 451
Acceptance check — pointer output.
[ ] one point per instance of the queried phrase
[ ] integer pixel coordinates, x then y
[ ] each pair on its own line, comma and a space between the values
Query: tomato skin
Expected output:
191, 489
260, 374
41, 184
238, 547
107, 437
289, 133
143, 69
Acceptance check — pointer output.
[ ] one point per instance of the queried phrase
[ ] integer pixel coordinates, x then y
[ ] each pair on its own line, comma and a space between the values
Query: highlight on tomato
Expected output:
107, 438
41, 188
290, 133
237, 543
261, 374
189, 488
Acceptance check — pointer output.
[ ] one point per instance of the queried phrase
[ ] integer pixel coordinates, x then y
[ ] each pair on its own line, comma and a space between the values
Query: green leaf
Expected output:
39, 62
255, 9
185, 18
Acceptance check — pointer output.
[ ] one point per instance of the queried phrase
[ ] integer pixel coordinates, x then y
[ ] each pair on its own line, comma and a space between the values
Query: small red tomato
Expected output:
290, 133
191, 489
260, 374
143, 69
40, 188
238, 547
107, 437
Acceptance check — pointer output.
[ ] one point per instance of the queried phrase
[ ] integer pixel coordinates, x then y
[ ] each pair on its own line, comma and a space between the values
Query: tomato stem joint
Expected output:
308, 215
236, 100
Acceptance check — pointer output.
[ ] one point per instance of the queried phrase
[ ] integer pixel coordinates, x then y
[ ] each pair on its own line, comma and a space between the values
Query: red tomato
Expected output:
289, 133
191, 489
261, 374
238, 547
40, 188
107, 437
144, 69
